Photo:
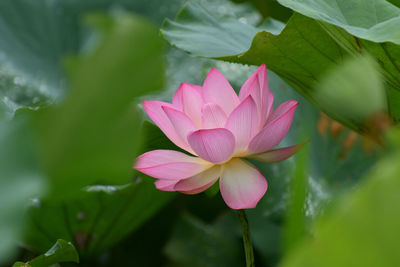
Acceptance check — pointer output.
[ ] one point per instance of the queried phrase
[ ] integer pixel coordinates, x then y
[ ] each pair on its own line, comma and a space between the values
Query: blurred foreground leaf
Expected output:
92, 137
20, 180
362, 230
354, 90
62, 251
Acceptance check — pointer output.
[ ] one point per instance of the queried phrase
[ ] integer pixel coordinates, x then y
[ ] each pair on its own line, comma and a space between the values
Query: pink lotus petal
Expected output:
214, 145
166, 185
173, 170
156, 113
257, 87
273, 133
199, 190
177, 100
213, 116
191, 101
162, 156
260, 75
243, 123
267, 108
277, 155
199, 181
282, 109
192, 104
216, 89
241, 185
169, 164
183, 125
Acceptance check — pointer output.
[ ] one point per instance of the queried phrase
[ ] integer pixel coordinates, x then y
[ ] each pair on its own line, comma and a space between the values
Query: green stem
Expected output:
248, 247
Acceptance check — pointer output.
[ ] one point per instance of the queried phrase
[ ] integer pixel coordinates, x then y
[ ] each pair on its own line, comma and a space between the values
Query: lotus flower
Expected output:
219, 129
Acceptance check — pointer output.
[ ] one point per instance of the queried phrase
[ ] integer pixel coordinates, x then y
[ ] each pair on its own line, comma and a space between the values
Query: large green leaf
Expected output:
61, 251
92, 136
96, 220
362, 230
374, 20
34, 45
207, 36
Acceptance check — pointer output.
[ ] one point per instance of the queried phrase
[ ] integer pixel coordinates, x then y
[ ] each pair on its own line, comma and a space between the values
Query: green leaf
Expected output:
99, 218
92, 136
362, 229
374, 20
62, 251
34, 46
208, 37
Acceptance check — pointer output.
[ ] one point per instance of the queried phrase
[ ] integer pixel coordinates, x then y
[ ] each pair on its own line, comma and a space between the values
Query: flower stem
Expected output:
248, 247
